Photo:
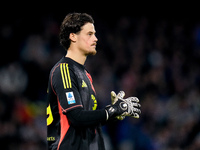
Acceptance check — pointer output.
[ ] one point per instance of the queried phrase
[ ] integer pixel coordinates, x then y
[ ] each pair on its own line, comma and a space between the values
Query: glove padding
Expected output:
133, 107
114, 99
124, 107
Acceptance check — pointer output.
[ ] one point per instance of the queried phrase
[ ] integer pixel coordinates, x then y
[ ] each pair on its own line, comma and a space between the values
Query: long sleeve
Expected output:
83, 118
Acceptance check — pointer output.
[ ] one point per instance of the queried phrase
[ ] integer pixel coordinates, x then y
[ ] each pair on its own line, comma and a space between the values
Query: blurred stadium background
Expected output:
152, 52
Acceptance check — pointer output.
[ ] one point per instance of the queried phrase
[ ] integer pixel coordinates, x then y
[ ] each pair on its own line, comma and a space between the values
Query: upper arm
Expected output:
65, 86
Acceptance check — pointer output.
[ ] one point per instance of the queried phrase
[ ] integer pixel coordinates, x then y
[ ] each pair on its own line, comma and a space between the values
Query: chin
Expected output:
93, 52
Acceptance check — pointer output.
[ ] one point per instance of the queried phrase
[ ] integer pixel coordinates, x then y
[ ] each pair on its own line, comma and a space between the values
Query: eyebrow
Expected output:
92, 32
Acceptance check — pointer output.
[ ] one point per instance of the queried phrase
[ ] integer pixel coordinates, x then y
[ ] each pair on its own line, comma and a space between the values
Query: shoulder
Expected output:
66, 67
61, 66
62, 69
61, 74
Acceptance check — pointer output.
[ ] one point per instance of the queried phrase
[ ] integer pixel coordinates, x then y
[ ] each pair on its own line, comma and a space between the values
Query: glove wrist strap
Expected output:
107, 116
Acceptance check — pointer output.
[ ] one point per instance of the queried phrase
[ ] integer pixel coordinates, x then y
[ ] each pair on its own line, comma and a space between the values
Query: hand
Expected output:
124, 107
133, 107
114, 99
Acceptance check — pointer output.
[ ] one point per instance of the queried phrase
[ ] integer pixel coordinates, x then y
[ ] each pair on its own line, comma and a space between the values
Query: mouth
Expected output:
94, 44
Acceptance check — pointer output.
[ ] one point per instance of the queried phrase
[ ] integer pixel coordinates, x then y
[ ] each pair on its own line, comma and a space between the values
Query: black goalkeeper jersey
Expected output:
70, 87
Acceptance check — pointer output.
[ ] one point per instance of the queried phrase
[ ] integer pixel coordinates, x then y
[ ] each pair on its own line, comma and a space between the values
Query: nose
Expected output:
95, 38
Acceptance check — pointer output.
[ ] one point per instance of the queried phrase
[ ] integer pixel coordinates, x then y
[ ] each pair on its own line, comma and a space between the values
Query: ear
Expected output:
72, 37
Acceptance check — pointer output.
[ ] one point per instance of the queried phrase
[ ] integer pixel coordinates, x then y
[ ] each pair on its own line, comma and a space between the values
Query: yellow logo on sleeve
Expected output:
95, 102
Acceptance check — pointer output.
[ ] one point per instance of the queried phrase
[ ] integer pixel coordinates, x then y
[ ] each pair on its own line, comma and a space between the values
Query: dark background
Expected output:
149, 50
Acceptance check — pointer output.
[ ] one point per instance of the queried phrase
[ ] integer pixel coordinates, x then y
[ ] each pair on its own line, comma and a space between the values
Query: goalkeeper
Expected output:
73, 120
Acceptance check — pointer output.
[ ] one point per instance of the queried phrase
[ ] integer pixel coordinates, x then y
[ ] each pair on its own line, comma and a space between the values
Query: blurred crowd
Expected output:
156, 60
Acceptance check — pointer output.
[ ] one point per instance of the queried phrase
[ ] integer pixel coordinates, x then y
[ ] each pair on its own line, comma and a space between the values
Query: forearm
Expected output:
79, 117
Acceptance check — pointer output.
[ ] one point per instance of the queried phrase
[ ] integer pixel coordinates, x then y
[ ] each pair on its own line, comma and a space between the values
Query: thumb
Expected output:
113, 97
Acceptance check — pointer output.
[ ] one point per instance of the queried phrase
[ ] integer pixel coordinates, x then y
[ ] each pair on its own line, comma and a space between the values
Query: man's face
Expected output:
86, 40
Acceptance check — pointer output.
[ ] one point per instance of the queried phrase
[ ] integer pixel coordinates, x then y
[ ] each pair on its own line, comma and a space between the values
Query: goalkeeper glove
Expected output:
124, 107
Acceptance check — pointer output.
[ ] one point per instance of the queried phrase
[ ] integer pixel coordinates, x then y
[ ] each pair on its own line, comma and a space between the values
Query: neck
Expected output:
76, 56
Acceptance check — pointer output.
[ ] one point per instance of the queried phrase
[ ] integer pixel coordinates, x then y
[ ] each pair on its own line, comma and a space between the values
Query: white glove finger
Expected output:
136, 115
136, 110
121, 94
136, 105
133, 99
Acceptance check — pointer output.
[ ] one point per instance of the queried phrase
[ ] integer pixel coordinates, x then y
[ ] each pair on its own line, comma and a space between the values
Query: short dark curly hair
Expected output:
72, 23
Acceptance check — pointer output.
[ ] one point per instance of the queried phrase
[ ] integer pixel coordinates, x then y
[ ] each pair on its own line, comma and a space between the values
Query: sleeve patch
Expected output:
70, 98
